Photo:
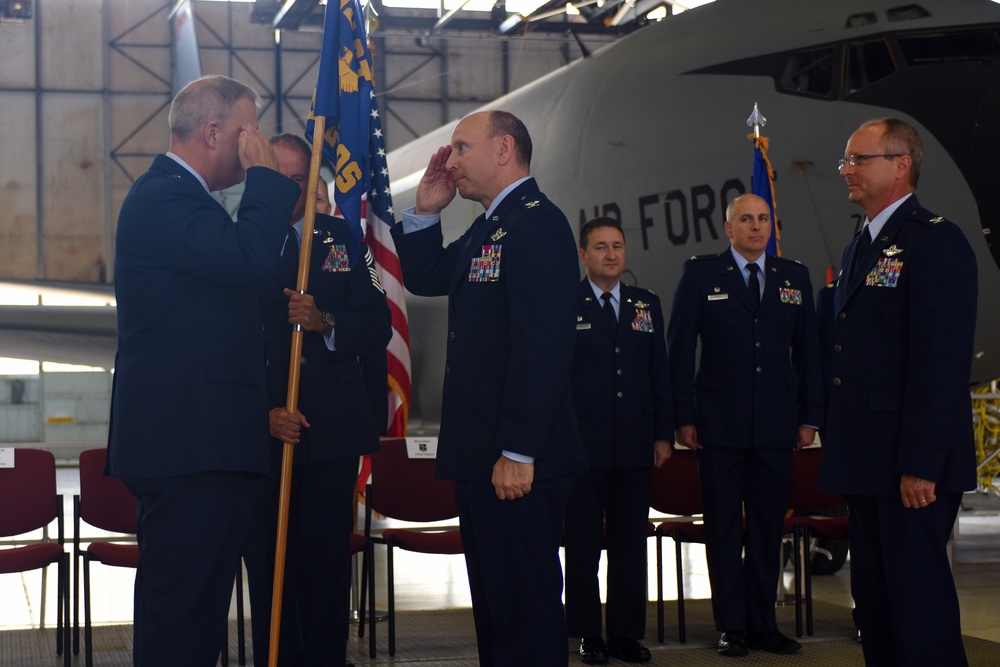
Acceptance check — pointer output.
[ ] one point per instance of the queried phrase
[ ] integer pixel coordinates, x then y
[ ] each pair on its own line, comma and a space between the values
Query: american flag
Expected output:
345, 95
379, 219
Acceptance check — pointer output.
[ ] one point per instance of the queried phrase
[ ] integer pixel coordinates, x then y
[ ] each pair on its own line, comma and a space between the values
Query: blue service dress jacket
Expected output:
759, 376
621, 383
512, 283
902, 354
189, 388
332, 391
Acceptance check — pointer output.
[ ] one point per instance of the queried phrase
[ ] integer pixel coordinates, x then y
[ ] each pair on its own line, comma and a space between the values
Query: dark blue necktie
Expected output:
864, 242
609, 310
754, 286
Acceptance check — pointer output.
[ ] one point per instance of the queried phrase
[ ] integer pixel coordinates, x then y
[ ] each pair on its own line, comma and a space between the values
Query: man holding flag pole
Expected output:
344, 96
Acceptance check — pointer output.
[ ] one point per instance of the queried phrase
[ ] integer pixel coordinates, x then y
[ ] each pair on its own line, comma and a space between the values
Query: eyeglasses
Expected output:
855, 160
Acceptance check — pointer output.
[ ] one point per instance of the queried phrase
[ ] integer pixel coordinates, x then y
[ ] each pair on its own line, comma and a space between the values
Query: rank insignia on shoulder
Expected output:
532, 204
641, 304
937, 219
498, 234
892, 251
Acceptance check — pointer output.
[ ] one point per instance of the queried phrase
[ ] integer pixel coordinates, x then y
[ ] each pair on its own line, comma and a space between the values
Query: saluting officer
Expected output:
508, 434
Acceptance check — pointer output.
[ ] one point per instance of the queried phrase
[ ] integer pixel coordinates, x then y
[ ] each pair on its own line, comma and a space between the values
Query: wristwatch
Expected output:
329, 320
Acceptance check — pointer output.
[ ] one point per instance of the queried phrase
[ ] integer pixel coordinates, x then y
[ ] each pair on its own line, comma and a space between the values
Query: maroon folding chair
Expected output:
405, 489
676, 490
28, 494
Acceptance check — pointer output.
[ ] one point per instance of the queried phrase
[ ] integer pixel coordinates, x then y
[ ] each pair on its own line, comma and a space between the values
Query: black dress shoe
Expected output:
732, 644
593, 651
772, 642
628, 650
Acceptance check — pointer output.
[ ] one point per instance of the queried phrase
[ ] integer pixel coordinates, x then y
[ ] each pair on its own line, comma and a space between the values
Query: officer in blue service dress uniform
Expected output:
508, 434
756, 396
189, 406
898, 440
621, 393
344, 316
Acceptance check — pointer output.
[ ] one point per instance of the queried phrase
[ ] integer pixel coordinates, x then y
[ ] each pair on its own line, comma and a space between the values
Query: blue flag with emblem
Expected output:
763, 187
343, 95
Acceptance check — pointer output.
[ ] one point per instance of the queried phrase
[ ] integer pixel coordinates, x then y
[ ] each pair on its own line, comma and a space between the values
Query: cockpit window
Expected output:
867, 62
907, 13
811, 72
974, 44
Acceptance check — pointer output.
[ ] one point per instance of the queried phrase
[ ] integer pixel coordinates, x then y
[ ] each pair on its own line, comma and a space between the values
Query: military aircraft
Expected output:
651, 130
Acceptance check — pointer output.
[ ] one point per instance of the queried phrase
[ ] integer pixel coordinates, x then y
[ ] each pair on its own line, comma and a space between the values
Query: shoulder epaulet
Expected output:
704, 257
532, 200
636, 288
925, 216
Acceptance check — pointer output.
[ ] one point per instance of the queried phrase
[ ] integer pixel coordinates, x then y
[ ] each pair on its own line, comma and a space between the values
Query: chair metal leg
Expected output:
681, 623
370, 555
88, 639
660, 629
806, 540
362, 601
392, 600
76, 575
797, 565
65, 614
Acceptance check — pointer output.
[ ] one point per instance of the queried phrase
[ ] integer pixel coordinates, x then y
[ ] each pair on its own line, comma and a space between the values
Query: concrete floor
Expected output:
439, 582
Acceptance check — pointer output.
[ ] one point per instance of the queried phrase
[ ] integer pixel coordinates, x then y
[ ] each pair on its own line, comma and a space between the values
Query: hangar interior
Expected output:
84, 94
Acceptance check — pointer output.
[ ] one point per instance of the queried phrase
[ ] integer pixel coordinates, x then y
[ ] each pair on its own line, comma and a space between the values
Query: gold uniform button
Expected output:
621, 394
836, 382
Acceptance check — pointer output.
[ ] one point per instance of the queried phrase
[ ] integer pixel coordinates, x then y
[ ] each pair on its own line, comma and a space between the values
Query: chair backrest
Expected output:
676, 487
28, 492
804, 493
406, 489
105, 502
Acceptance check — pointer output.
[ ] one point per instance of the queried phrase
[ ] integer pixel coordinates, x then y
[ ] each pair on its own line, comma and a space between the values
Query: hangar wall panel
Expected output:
18, 243
73, 54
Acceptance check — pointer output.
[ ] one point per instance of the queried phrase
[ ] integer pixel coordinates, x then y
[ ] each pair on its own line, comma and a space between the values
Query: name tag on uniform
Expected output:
6, 457
582, 326
337, 259
421, 448
718, 297
486, 268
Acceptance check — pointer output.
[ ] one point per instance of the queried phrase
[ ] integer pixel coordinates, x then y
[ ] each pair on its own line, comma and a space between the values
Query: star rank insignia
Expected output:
892, 251
498, 234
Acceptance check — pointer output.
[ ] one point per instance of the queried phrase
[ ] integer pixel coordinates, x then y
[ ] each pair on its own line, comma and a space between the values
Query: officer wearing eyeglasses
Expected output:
898, 440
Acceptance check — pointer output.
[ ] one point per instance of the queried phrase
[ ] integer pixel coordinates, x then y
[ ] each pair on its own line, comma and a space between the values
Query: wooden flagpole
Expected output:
292, 399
